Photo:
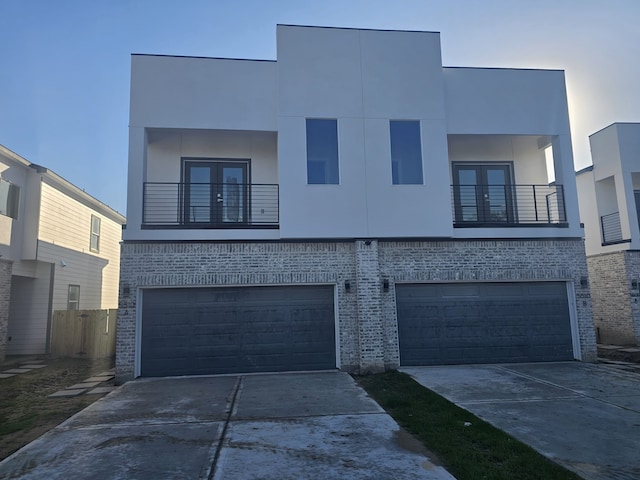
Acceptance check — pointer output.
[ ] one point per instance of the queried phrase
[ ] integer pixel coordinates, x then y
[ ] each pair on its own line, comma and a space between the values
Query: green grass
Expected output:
26, 411
23, 423
477, 451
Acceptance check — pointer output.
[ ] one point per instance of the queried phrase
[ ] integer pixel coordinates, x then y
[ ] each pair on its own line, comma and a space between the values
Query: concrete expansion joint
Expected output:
231, 408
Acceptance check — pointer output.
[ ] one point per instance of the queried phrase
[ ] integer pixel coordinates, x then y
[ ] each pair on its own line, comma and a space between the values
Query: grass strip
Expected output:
468, 447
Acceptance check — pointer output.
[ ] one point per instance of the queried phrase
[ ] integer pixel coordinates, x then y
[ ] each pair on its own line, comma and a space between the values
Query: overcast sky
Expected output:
64, 80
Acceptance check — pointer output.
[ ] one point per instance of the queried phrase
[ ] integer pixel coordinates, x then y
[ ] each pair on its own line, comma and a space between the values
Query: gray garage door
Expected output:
441, 324
194, 331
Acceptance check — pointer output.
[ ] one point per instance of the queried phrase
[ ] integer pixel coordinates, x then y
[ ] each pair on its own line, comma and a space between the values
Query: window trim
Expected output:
216, 165
337, 151
391, 149
77, 302
95, 235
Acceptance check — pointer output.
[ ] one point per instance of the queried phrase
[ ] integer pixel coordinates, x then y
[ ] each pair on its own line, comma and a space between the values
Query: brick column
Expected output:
370, 325
5, 298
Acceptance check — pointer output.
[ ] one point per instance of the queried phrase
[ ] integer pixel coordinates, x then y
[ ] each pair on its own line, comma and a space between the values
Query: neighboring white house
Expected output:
59, 250
609, 193
354, 205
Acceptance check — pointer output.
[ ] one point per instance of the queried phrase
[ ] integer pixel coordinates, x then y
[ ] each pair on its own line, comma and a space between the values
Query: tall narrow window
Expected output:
322, 151
551, 169
406, 152
73, 302
95, 234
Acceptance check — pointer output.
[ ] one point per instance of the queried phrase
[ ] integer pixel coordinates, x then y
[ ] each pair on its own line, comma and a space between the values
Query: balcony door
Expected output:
483, 193
215, 192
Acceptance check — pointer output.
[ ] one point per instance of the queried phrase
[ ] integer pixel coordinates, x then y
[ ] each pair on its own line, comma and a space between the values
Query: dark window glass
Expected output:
406, 152
322, 151
9, 199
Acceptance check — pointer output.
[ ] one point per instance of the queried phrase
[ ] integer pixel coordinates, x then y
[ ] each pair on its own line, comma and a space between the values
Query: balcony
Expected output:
611, 229
508, 206
210, 205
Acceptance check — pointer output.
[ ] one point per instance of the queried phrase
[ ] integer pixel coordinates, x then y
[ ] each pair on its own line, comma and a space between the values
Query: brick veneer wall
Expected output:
367, 323
616, 307
5, 298
490, 261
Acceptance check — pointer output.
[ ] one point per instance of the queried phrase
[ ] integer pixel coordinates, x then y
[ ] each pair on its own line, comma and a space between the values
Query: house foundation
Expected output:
615, 291
364, 274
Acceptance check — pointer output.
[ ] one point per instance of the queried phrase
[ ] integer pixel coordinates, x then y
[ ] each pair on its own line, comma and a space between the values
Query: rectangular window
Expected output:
73, 302
9, 199
551, 169
322, 151
406, 152
95, 234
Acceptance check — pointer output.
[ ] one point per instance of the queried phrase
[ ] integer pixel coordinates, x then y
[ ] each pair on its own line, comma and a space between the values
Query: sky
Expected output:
65, 64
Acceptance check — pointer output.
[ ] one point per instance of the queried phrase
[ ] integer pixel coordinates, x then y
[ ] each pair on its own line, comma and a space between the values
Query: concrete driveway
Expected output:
583, 416
281, 426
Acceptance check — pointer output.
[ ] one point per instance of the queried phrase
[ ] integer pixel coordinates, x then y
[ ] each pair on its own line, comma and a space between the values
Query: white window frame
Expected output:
94, 240
76, 302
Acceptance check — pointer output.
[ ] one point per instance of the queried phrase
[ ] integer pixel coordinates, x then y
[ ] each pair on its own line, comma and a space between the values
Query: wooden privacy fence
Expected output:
84, 333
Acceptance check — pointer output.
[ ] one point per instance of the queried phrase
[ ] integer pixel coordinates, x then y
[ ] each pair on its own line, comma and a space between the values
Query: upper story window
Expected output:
95, 234
322, 151
9, 199
406, 152
551, 169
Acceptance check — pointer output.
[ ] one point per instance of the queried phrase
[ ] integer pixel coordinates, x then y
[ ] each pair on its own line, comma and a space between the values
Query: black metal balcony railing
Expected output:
508, 205
611, 228
209, 205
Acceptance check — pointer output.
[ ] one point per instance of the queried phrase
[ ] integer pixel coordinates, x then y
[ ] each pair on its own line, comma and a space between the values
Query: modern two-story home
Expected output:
352, 204
609, 194
59, 250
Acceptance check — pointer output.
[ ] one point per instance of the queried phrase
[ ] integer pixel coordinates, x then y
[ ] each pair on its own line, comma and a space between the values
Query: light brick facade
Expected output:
5, 299
615, 290
366, 314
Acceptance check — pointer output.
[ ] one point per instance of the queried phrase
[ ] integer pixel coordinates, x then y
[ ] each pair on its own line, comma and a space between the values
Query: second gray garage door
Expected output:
441, 324
192, 331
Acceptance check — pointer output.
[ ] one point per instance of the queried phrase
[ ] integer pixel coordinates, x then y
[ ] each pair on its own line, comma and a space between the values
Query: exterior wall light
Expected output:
385, 285
347, 286
584, 282
634, 284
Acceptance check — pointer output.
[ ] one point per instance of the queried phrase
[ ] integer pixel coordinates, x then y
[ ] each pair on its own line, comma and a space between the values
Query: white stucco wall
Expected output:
191, 92
182, 106
608, 188
362, 78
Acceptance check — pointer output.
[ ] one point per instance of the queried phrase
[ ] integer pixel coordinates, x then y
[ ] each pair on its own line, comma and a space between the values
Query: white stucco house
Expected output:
352, 204
609, 194
59, 250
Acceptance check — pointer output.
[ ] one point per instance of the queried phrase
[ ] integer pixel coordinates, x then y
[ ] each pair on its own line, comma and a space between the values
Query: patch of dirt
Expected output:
26, 412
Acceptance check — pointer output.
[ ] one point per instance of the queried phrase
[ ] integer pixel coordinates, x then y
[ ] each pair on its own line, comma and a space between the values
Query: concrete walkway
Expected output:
281, 426
583, 416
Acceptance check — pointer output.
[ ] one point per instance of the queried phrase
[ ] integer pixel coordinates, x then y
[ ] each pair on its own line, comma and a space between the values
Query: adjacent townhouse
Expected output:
59, 250
353, 205
609, 193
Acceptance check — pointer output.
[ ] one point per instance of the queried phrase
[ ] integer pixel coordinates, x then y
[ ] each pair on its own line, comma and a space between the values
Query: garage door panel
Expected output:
483, 323
233, 330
